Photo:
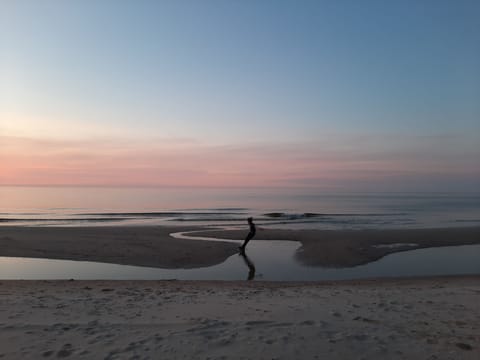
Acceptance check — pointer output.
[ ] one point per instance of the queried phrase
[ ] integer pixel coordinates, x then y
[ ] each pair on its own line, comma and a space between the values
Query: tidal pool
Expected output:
265, 260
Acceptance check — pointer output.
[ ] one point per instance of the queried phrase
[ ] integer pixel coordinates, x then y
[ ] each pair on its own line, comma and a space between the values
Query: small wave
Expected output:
208, 219
161, 214
6, 220
222, 209
291, 216
328, 215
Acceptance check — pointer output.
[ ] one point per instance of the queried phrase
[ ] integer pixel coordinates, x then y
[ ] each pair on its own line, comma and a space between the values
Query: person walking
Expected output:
250, 235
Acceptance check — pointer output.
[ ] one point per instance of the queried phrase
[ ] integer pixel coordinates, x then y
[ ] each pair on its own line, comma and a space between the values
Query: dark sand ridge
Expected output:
153, 246
345, 248
133, 245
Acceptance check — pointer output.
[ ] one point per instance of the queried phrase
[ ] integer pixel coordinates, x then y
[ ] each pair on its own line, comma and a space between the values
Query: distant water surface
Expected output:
285, 208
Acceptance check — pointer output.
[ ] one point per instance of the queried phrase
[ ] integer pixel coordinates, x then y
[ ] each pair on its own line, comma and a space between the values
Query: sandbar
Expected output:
153, 246
346, 248
127, 245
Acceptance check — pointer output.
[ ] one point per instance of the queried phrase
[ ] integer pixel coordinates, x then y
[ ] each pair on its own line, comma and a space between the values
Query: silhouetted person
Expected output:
250, 235
251, 267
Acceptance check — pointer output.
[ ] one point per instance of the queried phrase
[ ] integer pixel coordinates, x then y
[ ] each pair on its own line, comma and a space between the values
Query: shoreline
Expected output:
427, 280
152, 246
427, 318
348, 248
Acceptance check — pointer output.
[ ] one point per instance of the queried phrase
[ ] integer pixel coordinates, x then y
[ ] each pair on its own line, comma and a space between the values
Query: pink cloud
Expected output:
161, 162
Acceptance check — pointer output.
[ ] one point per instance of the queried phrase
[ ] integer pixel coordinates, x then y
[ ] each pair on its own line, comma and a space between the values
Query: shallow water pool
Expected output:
265, 260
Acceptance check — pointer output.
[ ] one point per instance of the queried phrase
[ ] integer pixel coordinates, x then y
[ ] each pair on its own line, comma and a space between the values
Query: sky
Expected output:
343, 95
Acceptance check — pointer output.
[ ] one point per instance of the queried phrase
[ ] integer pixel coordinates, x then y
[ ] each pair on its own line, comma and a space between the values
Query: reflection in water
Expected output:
275, 261
250, 264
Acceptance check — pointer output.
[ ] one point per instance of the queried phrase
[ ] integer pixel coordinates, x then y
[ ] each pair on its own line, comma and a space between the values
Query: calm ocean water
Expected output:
286, 208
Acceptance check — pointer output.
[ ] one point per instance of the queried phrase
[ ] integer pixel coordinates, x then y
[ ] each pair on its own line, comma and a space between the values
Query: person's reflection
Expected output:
249, 263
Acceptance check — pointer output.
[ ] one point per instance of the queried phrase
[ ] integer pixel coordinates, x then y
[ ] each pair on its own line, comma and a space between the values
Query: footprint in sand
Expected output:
65, 351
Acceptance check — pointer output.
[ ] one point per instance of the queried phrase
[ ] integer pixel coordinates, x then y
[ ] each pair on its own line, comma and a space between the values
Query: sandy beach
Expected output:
239, 180
427, 318
421, 318
134, 245
153, 246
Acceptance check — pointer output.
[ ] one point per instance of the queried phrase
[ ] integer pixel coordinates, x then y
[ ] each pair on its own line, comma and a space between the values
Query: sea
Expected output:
289, 208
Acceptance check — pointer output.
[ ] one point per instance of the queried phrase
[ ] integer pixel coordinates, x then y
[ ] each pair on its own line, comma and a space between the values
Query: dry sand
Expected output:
152, 245
429, 318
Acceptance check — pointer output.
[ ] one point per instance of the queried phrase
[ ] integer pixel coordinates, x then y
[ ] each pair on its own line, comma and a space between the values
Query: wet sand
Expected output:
133, 245
153, 246
422, 318
346, 248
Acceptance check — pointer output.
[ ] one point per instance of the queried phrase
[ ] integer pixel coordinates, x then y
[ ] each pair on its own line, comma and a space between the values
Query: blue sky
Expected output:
242, 72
